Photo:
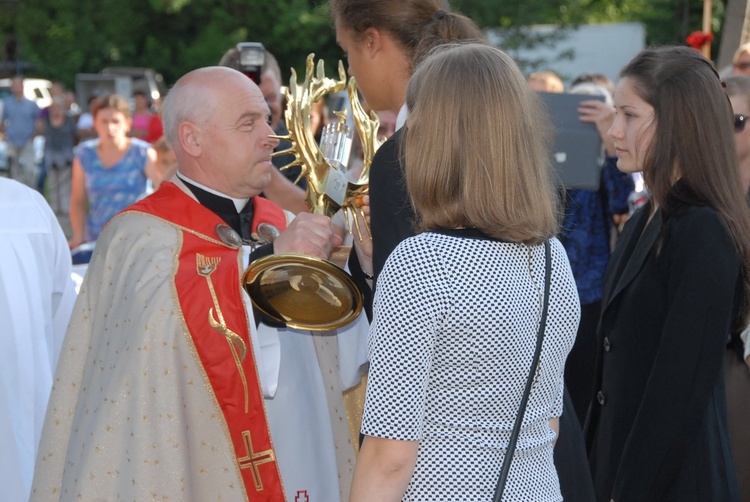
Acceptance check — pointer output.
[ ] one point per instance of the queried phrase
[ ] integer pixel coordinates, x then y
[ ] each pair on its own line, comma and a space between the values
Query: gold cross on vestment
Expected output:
253, 460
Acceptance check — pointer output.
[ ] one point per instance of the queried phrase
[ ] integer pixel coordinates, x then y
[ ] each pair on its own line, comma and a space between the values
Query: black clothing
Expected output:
241, 223
282, 160
657, 426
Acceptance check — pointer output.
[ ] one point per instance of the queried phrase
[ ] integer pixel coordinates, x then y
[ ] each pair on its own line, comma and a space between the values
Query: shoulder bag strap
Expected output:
529, 380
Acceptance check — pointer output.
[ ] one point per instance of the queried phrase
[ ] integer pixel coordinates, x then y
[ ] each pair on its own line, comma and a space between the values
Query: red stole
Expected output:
208, 288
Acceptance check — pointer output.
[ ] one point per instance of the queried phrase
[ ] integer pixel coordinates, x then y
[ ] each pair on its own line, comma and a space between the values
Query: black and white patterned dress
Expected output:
452, 339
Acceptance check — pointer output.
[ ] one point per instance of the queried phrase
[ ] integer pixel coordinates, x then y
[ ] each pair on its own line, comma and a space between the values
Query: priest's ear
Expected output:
189, 138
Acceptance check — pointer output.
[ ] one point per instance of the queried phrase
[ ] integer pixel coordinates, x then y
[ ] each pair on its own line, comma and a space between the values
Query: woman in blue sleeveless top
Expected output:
109, 172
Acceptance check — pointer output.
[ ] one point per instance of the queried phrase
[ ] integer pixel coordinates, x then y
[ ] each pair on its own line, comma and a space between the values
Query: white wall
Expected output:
600, 48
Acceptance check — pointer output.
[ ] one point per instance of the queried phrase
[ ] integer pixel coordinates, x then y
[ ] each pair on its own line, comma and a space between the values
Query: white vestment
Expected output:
299, 411
131, 415
36, 298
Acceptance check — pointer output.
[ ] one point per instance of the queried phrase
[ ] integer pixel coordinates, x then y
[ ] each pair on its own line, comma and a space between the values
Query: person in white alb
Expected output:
36, 298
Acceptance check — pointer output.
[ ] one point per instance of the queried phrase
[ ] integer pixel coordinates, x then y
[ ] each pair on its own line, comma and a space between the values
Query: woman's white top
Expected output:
456, 316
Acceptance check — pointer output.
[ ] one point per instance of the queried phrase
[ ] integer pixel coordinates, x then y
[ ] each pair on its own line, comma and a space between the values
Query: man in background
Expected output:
281, 190
19, 122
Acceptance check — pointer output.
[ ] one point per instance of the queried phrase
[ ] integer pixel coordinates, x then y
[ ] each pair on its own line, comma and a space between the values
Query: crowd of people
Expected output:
86, 169
519, 340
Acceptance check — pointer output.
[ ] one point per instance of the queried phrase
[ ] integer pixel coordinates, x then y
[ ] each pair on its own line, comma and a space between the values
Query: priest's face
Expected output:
237, 132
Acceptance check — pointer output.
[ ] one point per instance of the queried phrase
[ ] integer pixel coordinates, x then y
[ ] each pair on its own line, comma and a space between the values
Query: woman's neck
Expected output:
56, 120
399, 73
399, 94
745, 172
115, 144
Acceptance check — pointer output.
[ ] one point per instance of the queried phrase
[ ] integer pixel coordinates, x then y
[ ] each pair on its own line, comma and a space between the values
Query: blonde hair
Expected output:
742, 49
548, 80
477, 147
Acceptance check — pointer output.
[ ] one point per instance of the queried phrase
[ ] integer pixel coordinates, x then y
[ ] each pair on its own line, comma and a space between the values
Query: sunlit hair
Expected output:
594, 78
173, 111
738, 85
417, 25
548, 81
742, 49
693, 140
113, 101
477, 147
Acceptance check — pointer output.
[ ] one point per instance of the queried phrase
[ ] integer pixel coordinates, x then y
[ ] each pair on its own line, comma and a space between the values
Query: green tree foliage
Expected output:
65, 37
666, 21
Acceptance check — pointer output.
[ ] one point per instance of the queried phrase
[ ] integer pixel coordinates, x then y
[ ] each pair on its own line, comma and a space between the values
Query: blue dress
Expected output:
585, 231
111, 189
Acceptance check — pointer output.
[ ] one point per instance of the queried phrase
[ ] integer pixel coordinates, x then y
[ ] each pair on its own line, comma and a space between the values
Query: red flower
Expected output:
698, 39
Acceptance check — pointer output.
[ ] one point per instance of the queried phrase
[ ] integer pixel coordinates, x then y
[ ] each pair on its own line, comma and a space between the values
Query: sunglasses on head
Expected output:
739, 122
744, 65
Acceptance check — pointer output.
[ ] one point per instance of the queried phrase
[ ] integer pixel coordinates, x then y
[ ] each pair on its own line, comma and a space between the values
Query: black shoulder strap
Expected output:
529, 380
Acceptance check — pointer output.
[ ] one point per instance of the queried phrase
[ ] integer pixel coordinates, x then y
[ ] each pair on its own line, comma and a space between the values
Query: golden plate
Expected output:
303, 292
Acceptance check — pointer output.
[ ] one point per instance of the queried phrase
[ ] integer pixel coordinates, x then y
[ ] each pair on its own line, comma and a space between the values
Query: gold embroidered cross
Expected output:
253, 460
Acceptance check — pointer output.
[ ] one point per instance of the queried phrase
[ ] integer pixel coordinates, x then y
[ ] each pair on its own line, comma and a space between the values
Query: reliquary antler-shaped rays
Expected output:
367, 124
307, 154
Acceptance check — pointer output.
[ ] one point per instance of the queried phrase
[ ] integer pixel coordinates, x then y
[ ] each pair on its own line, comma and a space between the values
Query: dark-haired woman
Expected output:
676, 286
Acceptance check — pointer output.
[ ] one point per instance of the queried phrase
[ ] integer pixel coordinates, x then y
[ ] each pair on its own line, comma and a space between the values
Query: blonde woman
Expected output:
457, 307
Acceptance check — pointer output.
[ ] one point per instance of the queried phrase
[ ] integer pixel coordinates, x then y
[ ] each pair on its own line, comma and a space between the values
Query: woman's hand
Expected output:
362, 236
619, 220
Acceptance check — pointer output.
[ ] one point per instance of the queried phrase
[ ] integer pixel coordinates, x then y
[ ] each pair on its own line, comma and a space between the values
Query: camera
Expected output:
252, 59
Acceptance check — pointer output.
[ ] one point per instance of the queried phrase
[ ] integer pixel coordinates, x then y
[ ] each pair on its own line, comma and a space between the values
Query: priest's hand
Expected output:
310, 234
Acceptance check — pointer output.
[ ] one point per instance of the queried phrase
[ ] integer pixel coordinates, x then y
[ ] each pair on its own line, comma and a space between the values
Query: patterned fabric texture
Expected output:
455, 321
586, 228
111, 189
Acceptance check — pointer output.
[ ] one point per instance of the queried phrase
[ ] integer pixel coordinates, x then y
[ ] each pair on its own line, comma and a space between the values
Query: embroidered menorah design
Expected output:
206, 266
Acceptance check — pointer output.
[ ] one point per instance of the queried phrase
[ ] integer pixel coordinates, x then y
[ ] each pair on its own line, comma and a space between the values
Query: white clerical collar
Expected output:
401, 117
238, 203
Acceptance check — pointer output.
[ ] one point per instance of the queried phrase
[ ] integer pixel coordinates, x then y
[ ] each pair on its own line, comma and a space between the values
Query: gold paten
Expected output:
301, 291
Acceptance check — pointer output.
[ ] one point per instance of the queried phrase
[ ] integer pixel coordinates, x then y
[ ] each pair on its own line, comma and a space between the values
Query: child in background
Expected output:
166, 163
